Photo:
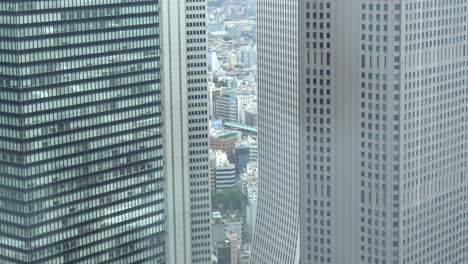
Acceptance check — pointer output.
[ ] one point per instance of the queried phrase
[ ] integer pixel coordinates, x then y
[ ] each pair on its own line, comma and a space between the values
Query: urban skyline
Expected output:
234, 131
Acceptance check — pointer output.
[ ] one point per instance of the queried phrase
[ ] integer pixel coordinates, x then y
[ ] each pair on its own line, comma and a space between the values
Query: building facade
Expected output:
81, 177
224, 172
224, 252
227, 108
225, 176
225, 141
276, 237
383, 103
185, 85
248, 56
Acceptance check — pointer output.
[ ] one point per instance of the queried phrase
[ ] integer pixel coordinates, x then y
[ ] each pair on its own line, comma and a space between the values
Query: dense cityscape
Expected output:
233, 127
234, 132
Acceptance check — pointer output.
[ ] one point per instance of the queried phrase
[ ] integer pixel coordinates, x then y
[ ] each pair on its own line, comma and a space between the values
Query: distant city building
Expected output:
218, 34
234, 225
213, 94
225, 172
232, 84
235, 242
241, 156
254, 32
226, 235
218, 230
225, 176
230, 106
213, 62
244, 152
236, 31
215, 27
249, 187
250, 117
227, 108
244, 254
223, 252
224, 141
248, 56
232, 59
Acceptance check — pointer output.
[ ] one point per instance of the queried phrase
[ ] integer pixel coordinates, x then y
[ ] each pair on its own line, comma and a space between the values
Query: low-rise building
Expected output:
245, 151
223, 252
248, 56
223, 176
224, 141
233, 224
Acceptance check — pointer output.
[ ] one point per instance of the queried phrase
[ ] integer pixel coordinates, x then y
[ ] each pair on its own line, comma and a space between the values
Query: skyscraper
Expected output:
383, 156
276, 236
81, 177
185, 90
384, 131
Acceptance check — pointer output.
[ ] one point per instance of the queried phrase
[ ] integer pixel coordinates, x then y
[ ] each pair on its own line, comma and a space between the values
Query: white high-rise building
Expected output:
384, 112
276, 236
382, 130
185, 118
248, 56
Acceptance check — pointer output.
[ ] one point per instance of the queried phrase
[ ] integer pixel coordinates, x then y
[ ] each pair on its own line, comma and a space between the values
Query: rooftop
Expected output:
230, 134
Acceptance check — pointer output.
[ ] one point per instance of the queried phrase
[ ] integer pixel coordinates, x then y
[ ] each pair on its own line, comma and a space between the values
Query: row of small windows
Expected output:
73, 15
47, 5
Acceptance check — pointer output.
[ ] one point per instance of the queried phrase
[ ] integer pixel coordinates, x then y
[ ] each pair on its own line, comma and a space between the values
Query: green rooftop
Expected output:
230, 134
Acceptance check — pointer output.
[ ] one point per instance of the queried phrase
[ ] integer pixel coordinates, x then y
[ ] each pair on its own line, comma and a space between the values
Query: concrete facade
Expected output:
184, 82
383, 103
276, 237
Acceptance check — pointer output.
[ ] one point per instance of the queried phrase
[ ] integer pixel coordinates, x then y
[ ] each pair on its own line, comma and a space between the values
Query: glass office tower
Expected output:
80, 141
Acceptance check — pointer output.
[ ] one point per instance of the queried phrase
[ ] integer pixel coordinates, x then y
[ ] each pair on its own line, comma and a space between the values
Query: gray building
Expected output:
276, 236
231, 104
225, 176
227, 108
383, 108
245, 152
241, 157
184, 64
81, 177
382, 128
223, 252
248, 56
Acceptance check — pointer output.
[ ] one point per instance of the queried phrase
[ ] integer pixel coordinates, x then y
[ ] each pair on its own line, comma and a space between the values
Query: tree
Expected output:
228, 200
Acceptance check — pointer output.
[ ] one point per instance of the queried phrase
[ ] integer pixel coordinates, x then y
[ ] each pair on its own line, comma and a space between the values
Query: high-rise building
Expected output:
248, 56
81, 177
384, 114
382, 126
184, 69
276, 237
